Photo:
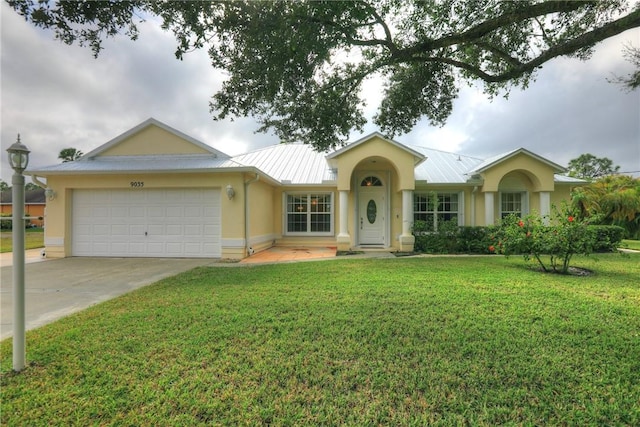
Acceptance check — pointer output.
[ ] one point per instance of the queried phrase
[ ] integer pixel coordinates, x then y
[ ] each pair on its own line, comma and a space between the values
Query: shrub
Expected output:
531, 237
5, 224
473, 240
607, 237
442, 241
451, 238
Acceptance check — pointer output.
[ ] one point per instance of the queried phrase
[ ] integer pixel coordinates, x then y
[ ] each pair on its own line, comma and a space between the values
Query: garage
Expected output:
138, 222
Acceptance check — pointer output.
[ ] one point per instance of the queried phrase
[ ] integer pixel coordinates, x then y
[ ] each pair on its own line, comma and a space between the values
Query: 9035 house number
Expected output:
136, 184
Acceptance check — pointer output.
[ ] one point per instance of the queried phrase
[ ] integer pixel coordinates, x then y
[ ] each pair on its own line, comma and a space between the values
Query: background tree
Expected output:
31, 186
298, 66
611, 200
4, 185
587, 166
631, 81
69, 154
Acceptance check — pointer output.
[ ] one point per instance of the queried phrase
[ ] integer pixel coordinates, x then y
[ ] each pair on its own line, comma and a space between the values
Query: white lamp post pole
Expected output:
18, 159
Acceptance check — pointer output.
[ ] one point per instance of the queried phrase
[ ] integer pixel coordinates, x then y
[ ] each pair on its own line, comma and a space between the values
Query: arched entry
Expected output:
372, 211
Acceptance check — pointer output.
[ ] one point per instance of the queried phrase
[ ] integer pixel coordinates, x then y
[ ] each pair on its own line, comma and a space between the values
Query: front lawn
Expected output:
405, 341
34, 238
631, 244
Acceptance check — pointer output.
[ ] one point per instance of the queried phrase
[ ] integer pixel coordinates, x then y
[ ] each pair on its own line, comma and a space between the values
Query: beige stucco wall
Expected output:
374, 150
59, 210
153, 140
261, 214
539, 173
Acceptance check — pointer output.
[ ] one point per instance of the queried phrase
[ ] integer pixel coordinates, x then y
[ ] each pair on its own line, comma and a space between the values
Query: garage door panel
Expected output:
146, 223
119, 230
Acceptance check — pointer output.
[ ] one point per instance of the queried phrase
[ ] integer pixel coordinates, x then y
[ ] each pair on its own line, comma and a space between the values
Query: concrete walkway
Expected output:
30, 256
289, 254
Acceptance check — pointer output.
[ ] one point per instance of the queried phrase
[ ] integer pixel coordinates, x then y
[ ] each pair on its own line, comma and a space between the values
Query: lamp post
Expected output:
18, 159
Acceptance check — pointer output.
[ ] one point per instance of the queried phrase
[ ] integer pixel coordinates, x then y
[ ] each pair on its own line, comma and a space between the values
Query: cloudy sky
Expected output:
58, 96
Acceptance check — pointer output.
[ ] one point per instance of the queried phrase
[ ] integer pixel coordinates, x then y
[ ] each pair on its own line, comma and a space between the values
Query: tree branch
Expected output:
587, 39
491, 25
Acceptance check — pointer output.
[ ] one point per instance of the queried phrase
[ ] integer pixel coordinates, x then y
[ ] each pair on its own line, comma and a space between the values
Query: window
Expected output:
310, 213
434, 208
371, 181
511, 204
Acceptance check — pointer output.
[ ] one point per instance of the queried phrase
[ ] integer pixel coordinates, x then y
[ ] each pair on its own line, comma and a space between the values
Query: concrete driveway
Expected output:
57, 288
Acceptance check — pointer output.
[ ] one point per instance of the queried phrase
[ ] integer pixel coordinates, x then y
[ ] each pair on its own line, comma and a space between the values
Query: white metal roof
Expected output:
158, 163
444, 168
286, 164
504, 156
290, 163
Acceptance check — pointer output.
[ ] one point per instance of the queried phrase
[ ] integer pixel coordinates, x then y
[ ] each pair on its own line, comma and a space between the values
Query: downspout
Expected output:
473, 206
248, 250
39, 183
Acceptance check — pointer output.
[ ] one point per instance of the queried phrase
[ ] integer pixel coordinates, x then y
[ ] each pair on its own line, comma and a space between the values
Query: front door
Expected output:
372, 210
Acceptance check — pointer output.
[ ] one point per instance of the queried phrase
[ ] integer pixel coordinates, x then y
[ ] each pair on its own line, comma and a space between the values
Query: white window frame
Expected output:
524, 204
309, 195
460, 203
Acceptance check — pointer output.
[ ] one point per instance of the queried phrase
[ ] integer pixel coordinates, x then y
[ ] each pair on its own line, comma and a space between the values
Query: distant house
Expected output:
34, 204
156, 192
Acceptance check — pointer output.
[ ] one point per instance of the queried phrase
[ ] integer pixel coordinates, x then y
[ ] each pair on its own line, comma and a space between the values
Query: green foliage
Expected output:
631, 244
299, 66
477, 341
34, 239
608, 238
631, 81
611, 200
531, 236
29, 186
587, 166
450, 238
3, 185
6, 224
69, 155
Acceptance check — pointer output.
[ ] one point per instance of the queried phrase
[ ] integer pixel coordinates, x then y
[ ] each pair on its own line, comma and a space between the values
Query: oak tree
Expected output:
298, 66
589, 167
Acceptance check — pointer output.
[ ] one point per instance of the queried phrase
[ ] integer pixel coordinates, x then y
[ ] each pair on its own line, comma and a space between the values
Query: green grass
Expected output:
406, 341
631, 244
34, 238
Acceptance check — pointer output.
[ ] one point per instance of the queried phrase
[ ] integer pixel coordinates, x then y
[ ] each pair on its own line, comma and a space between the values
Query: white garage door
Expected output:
180, 223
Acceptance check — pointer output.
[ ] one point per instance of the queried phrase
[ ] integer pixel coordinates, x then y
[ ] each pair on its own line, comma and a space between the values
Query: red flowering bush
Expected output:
551, 241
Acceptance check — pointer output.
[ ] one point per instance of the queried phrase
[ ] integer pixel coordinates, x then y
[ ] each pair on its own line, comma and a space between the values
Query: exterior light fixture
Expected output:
49, 193
230, 192
18, 156
18, 159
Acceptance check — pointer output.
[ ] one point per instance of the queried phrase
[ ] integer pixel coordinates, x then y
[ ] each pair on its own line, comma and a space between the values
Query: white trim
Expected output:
461, 209
385, 178
262, 239
524, 202
331, 232
344, 214
54, 241
233, 243
489, 215
487, 164
545, 206
419, 157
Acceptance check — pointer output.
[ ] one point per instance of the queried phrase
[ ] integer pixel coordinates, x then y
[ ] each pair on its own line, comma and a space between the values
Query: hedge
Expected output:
453, 239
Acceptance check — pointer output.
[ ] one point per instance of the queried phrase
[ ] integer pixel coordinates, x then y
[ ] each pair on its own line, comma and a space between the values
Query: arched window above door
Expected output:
371, 181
